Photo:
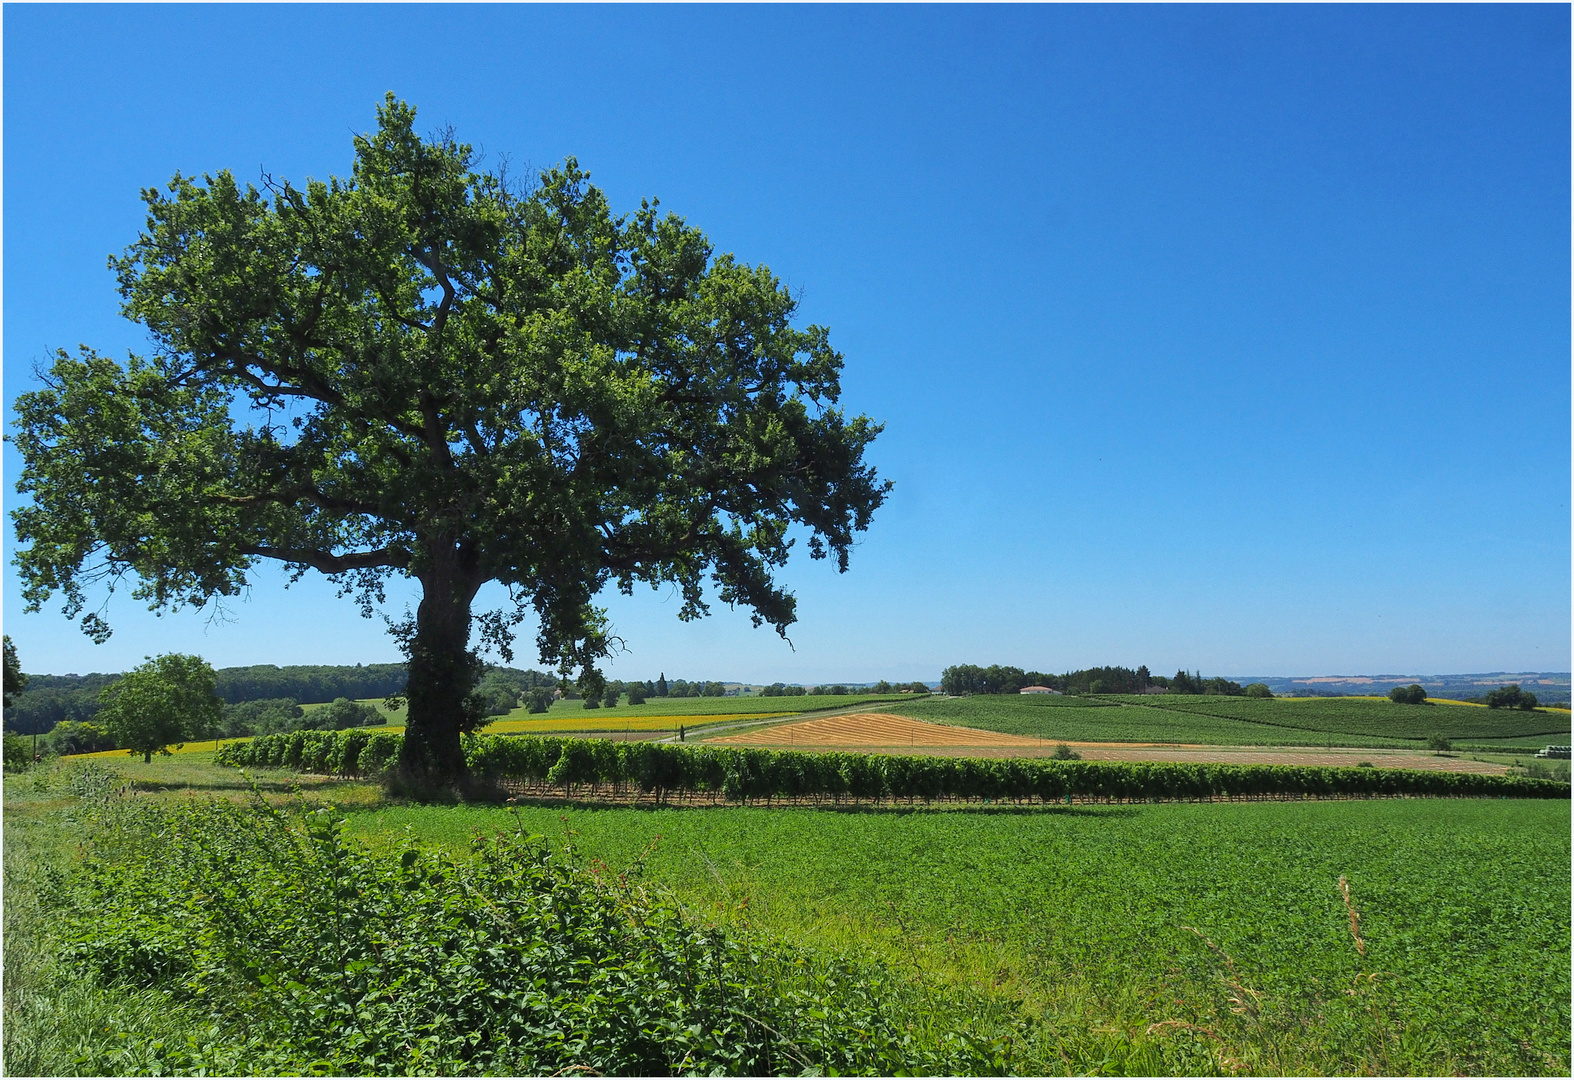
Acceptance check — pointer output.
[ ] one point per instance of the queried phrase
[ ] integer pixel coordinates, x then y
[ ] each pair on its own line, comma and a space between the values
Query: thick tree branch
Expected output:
329, 563
435, 432
429, 259
311, 388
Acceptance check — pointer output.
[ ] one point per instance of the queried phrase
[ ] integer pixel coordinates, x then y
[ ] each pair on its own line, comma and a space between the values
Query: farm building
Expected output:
1038, 690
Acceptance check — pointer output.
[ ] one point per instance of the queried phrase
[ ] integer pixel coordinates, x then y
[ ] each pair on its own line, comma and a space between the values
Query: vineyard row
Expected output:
599, 768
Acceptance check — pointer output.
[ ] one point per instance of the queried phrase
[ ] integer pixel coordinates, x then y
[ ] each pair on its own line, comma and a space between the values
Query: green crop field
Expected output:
1225, 721
1150, 939
1062, 701
1100, 920
1359, 716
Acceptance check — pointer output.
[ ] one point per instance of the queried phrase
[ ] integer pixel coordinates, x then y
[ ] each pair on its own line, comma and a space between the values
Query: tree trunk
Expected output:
442, 673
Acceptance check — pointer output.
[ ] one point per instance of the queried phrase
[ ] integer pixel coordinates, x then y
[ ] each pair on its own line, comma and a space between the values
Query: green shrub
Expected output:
312, 955
262, 716
342, 713
78, 737
16, 755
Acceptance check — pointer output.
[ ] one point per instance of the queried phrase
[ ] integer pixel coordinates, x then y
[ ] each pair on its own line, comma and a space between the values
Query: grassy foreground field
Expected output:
1103, 939
1227, 721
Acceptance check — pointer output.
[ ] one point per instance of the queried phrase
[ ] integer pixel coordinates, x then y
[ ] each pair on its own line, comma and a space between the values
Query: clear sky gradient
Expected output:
1228, 337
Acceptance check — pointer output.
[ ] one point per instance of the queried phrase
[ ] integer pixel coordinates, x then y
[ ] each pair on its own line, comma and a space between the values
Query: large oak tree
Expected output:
431, 370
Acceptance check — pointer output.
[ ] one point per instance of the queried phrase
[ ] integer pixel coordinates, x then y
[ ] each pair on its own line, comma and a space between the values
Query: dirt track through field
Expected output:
886, 733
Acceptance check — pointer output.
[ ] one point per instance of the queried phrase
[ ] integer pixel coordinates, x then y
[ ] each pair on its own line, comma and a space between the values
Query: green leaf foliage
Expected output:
430, 370
167, 700
14, 681
310, 955
1511, 697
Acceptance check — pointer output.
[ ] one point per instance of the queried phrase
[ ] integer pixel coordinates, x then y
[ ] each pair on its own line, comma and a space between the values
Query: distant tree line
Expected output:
259, 700
265, 699
309, 684
1003, 679
49, 699
839, 690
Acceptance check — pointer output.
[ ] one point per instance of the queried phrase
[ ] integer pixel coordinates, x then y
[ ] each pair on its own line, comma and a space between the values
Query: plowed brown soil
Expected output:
885, 733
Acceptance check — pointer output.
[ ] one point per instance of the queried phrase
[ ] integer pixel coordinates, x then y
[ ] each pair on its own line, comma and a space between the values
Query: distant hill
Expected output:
1546, 685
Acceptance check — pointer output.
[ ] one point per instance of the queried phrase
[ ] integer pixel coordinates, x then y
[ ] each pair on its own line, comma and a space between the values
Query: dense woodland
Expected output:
1000, 679
266, 698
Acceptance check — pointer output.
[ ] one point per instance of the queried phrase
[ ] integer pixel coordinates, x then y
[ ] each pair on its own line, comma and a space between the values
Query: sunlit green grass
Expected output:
1084, 914
1096, 920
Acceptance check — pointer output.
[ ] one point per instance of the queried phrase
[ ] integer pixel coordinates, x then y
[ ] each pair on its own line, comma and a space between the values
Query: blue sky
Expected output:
1234, 338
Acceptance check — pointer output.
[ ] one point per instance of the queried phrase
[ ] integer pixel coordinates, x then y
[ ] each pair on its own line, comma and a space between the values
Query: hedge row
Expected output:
604, 768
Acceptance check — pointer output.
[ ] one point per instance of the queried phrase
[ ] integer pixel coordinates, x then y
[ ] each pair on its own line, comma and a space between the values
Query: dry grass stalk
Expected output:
1243, 999
1355, 918
1226, 1062
1181, 1025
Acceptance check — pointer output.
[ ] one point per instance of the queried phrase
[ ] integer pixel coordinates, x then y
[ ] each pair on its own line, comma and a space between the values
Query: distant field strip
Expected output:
1060, 701
713, 707
188, 748
1115, 723
871, 729
589, 721
1364, 716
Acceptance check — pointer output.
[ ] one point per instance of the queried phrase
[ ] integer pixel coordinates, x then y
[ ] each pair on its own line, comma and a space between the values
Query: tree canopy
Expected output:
14, 681
1511, 697
1414, 694
167, 700
432, 369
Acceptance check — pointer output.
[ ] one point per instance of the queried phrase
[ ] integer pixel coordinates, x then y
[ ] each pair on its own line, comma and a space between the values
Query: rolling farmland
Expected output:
889, 733
1227, 721
1067, 939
